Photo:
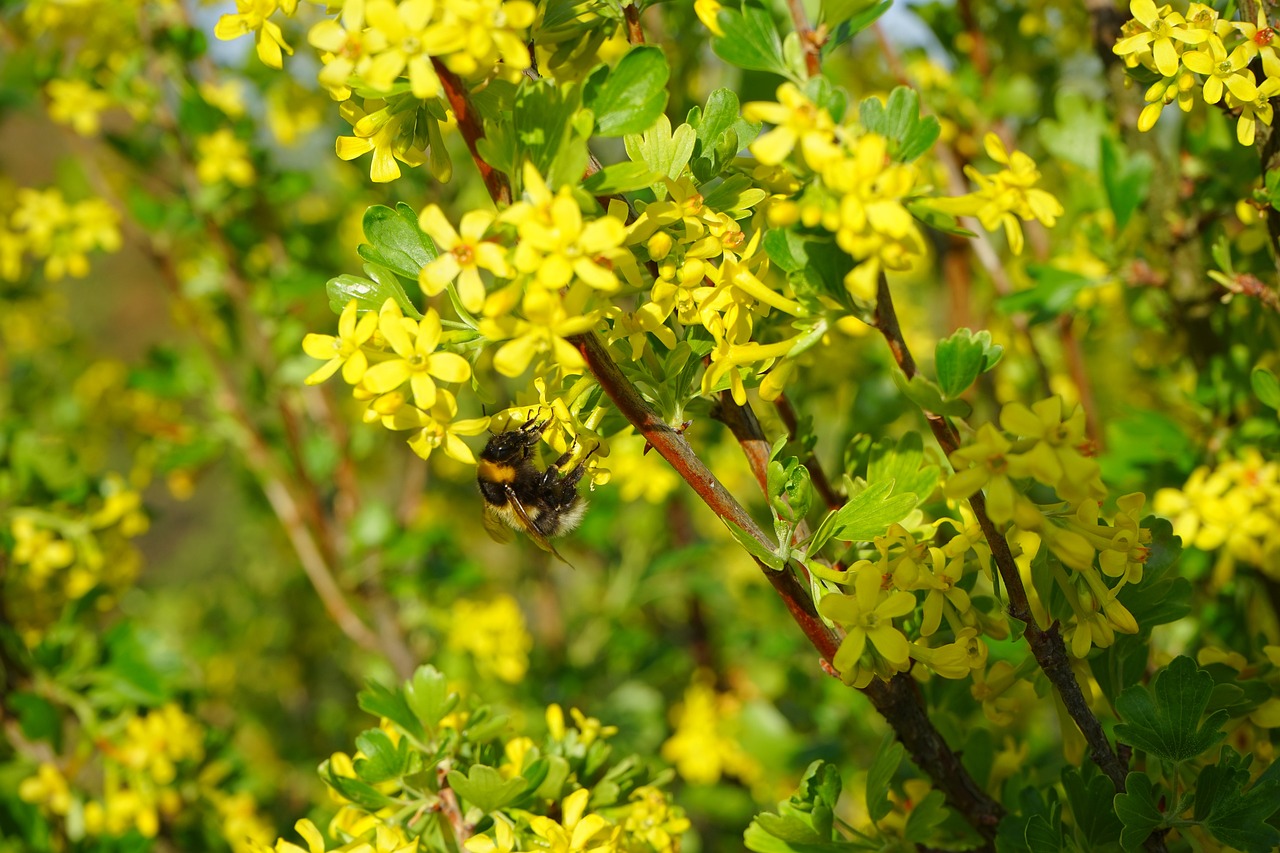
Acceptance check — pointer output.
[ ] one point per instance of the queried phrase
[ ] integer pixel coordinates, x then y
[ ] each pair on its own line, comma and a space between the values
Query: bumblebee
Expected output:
519, 496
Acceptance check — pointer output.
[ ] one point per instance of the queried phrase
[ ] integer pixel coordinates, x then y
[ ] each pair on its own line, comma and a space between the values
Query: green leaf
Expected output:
484, 787
396, 241
721, 133
620, 178
629, 98
1076, 134
1236, 817
962, 357
902, 463
754, 548
734, 195
369, 295
1266, 387
850, 24
1042, 837
384, 702
926, 817
865, 516
1166, 723
664, 152
880, 774
1053, 294
428, 695
38, 718
382, 759
928, 396
358, 792
1126, 178
750, 40
1137, 810
899, 121
805, 822
1091, 806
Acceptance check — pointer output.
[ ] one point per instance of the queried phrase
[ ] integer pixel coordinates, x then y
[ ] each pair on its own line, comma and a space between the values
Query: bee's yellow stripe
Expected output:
494, 472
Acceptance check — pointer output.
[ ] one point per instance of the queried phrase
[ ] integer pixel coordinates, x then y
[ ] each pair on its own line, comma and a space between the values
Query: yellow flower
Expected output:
1221, 70
402, 36
576, 832
252, 17
219, 156
494, 634
796, 119
1158, 34
47, 788
418, 362
462, 256
486, 30
343, 350
343, 48
76, 103
437, 428
868, 615
1257, 110
708, 11
1259, 41
556, 247
504, 840
704, 747
551, 319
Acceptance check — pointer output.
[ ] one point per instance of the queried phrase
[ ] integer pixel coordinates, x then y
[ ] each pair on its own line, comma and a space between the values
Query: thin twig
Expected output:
810, 39
635, 33
1046, 645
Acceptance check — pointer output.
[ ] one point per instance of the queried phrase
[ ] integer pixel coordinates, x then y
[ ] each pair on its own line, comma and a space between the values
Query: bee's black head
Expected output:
514, 444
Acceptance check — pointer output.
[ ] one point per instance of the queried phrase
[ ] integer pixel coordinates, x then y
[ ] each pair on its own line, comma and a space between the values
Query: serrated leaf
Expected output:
1091, 807
397, 240
663, 151
632, 96
1137, 810
1167, 723
721, 133
899, 121
1266, 386
382, 759
962, 357
1236, 817
1041, 837
750, 40
385, 702
428, 695
485, 788
880, 774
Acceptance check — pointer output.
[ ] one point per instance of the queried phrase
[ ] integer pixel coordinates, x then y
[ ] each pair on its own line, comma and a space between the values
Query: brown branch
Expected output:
635, 33
811, 39
1046, 644
898, 700
472, 130
900, 706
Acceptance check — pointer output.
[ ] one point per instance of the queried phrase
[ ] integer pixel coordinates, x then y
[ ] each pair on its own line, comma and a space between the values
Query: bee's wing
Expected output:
497, 529
536, 535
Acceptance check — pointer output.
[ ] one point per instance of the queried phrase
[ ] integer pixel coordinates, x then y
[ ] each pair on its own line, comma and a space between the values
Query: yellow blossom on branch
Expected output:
252, 16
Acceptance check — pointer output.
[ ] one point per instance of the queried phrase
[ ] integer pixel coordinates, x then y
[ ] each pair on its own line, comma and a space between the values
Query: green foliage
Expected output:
962, 358
631, 96
1166, 721
899, 121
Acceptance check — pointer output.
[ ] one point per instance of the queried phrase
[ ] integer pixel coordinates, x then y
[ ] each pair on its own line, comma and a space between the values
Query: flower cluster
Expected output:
380, 59
622, 813
1202, 55
1005, 197
1232, 508
1049, 447
46, 226
885, 588
493, 633
705, 746
61, 555
139, 767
